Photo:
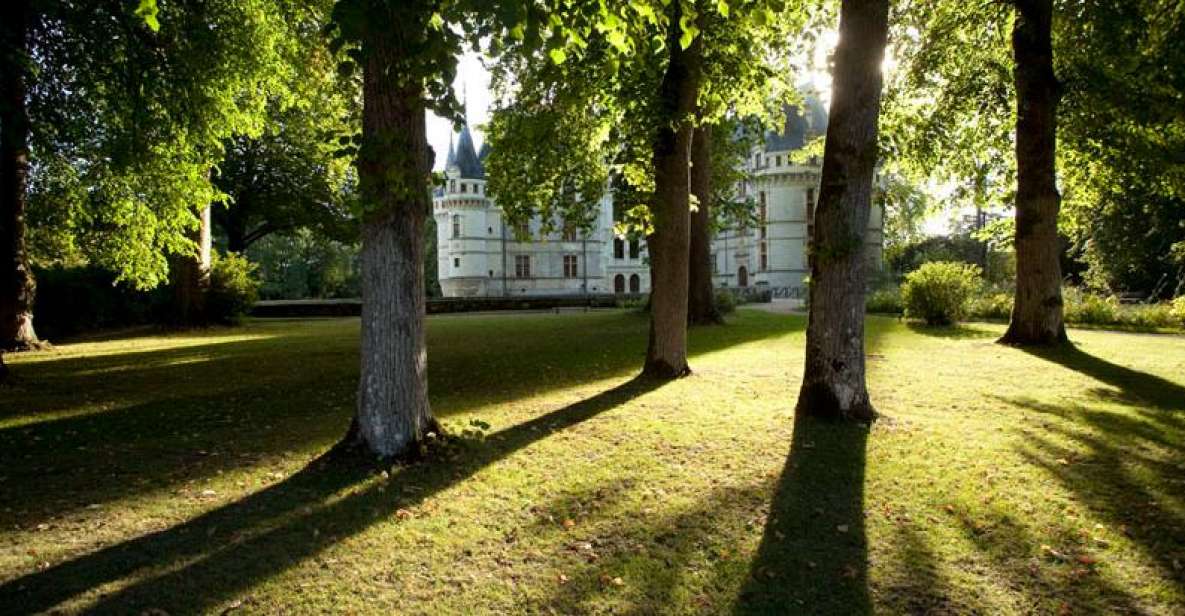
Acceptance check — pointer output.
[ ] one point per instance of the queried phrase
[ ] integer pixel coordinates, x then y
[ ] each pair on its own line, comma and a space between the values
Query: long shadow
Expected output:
93, 430
813, 556
1110, 467
1139, 387
195, 566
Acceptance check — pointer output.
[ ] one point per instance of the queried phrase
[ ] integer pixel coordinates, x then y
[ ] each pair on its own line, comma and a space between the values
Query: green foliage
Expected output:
1178, 310
304, 265
130, 106
233, 289
83, 299
885, 300
1089, 308
726, 302
940, 292
992, 306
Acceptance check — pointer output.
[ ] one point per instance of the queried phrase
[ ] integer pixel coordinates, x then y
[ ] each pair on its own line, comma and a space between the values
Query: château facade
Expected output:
479, 256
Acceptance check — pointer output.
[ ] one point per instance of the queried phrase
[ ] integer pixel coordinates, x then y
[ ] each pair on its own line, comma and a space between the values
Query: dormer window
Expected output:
778, 161
452, 186
464, 187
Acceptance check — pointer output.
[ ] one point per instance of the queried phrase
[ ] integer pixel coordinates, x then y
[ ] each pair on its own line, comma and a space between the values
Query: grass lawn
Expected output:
188, 473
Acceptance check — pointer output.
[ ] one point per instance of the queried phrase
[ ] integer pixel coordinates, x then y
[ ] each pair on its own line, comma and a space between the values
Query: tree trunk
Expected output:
191, 276
17, 288
669, 245
394, 168
833, 383
701, 300
1037, 311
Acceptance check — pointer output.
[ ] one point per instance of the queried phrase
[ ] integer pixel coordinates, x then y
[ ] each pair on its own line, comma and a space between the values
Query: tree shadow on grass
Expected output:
96, 429
956, 331
1135, 387
813, 556
1122, 469
195, 566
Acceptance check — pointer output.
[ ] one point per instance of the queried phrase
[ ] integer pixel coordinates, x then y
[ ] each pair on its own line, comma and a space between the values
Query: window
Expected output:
569, 232
477, 189
635, 284
810, 205
633, 249
619, 283
452, 186
762, 210
778, 160
464, 187
522, 230
715, 264
522, 266
571, 270
618, 248
764, 256
491, 273
457, 262
456, 225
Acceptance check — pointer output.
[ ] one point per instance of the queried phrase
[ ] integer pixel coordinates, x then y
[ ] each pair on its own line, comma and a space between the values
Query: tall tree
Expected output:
16, 278
407, 50
701, 295
833, 383
1037, 311
670, 242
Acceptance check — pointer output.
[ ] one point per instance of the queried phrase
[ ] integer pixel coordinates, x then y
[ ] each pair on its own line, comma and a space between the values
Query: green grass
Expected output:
189, 473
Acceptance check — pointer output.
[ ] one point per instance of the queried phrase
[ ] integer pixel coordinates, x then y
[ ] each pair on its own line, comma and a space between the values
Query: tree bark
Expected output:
394, 168
833, 383
701, 295
1037, 310
191, 276
17, 287
670, 243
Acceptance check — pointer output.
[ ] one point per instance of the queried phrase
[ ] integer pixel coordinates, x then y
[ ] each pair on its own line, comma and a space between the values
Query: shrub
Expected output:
940, 292
1149, 316
886, 300
726, 302
1178, 310
1090, 309
994, 306
233, 289
77, 300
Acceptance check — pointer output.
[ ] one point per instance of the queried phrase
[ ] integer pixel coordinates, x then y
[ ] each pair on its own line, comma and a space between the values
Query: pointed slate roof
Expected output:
452, 153
800, 126
466, 157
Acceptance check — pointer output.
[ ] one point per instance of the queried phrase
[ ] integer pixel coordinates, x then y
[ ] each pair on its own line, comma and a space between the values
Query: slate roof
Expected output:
466, 158
799, 127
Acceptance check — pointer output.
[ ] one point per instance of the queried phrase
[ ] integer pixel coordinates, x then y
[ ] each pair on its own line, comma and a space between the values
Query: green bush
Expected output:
1149, 316
991, 306
1090, 309
940, 292
233, 289
1178, 310
726, 302
886, 300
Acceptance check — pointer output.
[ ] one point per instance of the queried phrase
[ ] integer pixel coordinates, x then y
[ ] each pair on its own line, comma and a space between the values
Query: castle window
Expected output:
635, 284
464, 187
618, 248
456, 226
764, 256
452, 186
810, 205
634, 249
522, 230
491, 273
571, 269
522, 266
569, 233
456, 261
779, 161
715, 264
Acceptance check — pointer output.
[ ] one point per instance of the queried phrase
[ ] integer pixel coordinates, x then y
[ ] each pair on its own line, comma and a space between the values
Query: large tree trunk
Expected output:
394, 168
669, 245
17, 287
1037, 311
833, 383
701, 300
191, 276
